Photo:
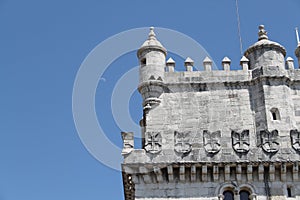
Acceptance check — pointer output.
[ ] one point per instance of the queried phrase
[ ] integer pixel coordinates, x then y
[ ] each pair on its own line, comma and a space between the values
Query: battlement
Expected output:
264, 53
226, 75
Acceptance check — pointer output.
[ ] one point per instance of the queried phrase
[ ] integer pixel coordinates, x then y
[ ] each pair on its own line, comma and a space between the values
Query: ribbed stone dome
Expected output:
265, 43
265, 52
151, 43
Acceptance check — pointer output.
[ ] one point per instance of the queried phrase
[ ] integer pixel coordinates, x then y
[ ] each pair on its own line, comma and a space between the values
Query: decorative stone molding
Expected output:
295, 171
158, 173
128, 142
269, 141
295, 139
212, 141
227, 172
153, 142
221, 197
193, 173
182, 143
170, 173
216, 173
249, 173
240, 141
253, 196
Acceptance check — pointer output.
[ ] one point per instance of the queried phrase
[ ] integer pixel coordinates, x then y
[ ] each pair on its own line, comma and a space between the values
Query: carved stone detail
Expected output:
182, 143
240, 141
269, 141
212, 141
153, 142
128, 142
295, 139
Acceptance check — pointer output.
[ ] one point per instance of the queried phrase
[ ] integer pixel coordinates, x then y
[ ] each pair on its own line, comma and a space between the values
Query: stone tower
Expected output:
216, 134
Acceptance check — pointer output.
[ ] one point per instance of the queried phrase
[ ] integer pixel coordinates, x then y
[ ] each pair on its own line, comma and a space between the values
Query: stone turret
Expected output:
216, 134
265, 52
152, 59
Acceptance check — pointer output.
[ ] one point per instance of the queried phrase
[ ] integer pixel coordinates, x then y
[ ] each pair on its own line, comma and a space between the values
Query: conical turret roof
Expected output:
151, 43
264, 42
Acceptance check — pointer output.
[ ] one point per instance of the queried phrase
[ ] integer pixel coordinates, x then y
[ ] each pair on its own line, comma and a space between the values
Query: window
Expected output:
232, 192
289, 192
143, 61
244, 195
275, 114
228, 195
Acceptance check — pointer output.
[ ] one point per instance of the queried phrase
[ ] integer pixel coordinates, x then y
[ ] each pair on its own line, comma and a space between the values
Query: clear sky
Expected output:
42, 46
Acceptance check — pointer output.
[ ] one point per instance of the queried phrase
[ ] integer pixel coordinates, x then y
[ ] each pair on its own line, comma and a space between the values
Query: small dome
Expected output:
170, 61
151, 43
188, 61
264, 42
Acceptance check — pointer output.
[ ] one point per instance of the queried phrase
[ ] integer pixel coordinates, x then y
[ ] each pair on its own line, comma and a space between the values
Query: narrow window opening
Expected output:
289, 192
244, 195
143, 61
228, 195
275, 114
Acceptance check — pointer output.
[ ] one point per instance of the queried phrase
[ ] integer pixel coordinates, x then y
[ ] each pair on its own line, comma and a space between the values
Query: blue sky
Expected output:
42, 46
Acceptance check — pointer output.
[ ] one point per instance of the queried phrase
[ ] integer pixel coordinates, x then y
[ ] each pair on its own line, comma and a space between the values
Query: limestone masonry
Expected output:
216, 134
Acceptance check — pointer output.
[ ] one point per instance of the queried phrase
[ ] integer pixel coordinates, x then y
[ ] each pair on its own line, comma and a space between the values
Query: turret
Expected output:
152, 59
265, 52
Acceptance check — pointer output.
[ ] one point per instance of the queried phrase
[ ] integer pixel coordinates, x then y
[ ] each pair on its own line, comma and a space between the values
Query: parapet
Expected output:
209, 75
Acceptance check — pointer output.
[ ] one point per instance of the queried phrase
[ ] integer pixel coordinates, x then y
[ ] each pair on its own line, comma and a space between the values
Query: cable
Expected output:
239, 25
297, 35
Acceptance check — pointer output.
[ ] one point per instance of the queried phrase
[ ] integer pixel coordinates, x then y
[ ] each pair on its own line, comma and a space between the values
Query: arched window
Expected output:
275, 114
244, 195
143, 62
228, 195
242, 192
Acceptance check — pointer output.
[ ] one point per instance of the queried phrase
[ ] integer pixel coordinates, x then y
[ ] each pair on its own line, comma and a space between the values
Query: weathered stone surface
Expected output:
206, 132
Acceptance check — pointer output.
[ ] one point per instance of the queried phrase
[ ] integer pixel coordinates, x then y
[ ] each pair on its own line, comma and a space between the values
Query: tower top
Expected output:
264, 42
151, 43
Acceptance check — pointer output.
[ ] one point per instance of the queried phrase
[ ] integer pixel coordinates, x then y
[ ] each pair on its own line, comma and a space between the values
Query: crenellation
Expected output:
170, 65
189, 63
207, 64
244, 62
226, 64
290, 63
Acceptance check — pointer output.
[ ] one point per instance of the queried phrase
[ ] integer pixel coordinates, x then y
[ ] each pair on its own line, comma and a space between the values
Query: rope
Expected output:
239, 26
297, 35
